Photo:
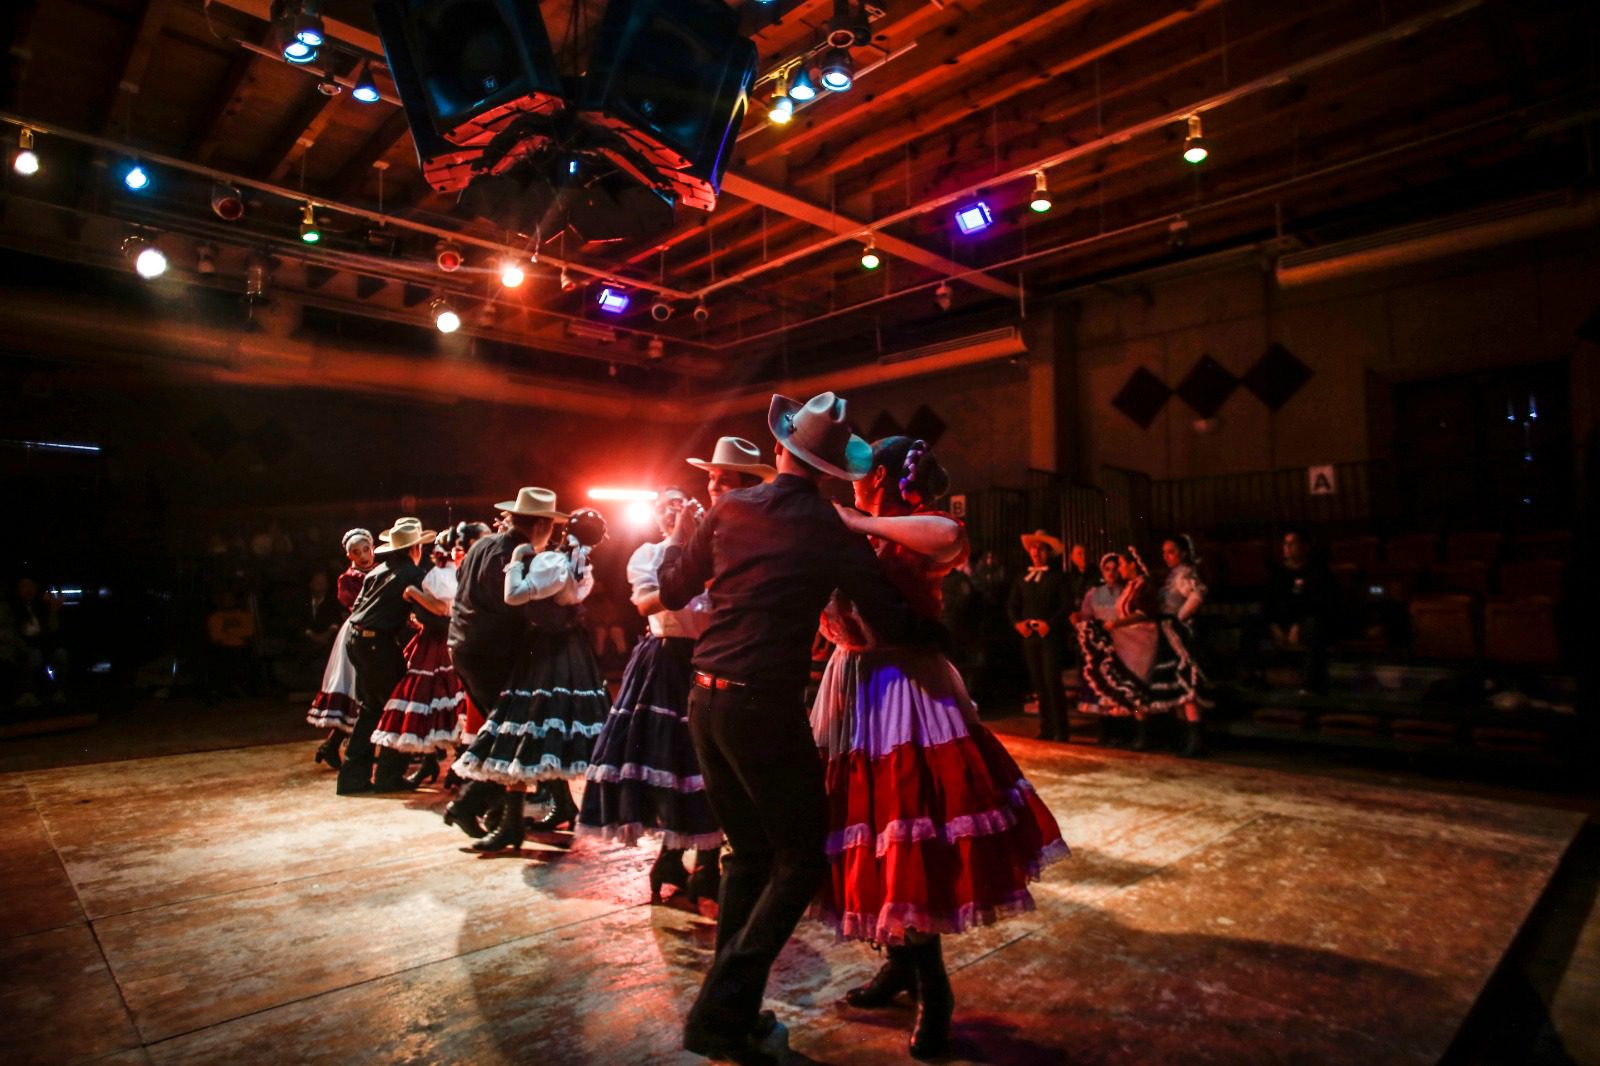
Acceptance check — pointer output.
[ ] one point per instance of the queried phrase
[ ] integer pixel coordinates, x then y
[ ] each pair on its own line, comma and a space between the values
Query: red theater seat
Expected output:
1473, 547
1359, 552
1469, 576
1246, 563
1533, 577
1441, 627
1413, 549
1556, 544
1521, 630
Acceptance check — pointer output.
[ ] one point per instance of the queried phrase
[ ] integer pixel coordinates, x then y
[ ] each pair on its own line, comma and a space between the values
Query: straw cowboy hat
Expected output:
739, 456
534, 503
398, 523
1039, 536
818, 433
407, 533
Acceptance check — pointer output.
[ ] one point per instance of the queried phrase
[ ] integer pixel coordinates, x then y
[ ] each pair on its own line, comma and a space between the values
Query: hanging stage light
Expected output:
869, 253
445, 318
801, 86
366, 89
612, 300
1041, 201
781, 109
448, 257
148, 260
309, 231
226, 202
308, 27
567, 284
838, 70
1194, 145
511, 274
27, 161
974, 217
297, 51
136, 177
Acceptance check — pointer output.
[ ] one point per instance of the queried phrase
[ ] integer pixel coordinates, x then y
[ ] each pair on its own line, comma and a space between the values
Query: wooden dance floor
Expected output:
228, 908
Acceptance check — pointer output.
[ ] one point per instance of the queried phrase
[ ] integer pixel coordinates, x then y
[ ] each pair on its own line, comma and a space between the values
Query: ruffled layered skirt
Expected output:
643, 776
334, 706
932, 827
1173, 681
424, 712
545, 723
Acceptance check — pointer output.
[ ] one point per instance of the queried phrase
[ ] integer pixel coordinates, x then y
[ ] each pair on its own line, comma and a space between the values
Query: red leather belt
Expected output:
711, 681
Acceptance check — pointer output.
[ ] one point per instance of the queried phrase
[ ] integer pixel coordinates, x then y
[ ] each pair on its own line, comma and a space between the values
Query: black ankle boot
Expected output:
706, 881
667, 870
1141, 736
895, 976
565, 812
936, 1002
508, 834
390, 775
328, 752
1194, 741
427, 773
464, 811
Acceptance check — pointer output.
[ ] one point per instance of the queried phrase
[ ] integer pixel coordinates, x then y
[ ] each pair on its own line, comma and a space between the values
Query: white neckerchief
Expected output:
1035, 575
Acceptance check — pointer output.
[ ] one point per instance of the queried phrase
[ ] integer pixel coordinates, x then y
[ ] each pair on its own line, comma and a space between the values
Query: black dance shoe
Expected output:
1194, 741
508, 835
427, 773
706, 881
667, 870
565, 811
722, 1047
895, 976
328, 752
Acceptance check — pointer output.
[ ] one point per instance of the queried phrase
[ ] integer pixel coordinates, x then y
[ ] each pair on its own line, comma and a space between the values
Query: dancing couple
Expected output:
913, 822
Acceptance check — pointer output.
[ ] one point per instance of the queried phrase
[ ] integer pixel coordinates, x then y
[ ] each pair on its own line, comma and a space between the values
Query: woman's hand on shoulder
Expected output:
855, 521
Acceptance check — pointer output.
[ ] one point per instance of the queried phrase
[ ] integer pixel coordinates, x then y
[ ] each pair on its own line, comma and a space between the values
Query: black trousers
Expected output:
483, 674
1044, 669
379, 665
766, 786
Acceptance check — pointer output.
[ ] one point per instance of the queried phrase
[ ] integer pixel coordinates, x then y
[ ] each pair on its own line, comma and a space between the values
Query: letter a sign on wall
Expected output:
1324, 482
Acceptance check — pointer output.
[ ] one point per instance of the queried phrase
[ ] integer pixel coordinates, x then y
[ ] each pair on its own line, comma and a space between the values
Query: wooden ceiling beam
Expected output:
134, 65
352, 176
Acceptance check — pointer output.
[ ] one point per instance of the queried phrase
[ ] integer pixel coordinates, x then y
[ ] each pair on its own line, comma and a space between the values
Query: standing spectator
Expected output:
1038, 609
30, 643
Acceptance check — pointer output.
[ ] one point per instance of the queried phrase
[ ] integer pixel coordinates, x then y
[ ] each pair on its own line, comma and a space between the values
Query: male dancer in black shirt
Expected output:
771, 556
377, 624
1039, 609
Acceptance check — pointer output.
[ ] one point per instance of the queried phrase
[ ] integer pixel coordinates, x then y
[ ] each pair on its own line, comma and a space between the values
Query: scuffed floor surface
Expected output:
226, 907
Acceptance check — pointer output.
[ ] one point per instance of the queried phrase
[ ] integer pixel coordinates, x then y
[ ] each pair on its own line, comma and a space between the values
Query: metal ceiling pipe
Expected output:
1399, 31
52, 323
1473, 231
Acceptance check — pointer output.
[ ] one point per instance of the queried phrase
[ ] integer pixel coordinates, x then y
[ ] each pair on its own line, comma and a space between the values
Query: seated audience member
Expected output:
230, 639
1301, 599
30, 644
319, 614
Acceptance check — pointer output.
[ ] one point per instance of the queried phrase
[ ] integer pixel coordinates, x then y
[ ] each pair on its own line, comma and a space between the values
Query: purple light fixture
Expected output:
974, 217
612, 300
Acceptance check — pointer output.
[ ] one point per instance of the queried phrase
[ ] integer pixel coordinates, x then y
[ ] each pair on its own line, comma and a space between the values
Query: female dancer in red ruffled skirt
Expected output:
933, 828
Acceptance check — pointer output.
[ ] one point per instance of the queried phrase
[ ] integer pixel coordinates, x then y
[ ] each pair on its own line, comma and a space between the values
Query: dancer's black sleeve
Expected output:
685, 569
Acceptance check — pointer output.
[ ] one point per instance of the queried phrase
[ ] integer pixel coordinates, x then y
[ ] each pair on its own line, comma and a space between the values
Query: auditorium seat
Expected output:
1246, 563
1533, 577
1395, 582
1521, 629
1441, 627
1556, 544
1470, 576
1473, 547
1362, 553
1413, 549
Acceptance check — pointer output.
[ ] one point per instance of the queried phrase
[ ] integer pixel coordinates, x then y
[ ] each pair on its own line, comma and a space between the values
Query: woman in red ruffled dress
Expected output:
932, 827
334, 707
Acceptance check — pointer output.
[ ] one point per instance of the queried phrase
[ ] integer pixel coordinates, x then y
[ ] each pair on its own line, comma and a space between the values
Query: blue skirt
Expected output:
643, 777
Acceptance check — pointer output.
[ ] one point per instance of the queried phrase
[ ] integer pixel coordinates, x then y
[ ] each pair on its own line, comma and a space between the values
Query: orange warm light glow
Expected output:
641, 513
623, 495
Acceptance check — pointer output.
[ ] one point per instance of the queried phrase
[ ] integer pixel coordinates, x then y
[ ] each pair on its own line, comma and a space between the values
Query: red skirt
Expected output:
932, 827
424, 711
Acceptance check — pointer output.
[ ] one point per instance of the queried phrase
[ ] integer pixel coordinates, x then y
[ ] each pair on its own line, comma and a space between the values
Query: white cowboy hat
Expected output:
738, 455
407, 533
819, 434
1039, 536
383, 537
533, 502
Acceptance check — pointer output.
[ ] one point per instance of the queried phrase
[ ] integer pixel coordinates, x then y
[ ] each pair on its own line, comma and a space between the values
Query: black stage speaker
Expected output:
673, 77
466, 69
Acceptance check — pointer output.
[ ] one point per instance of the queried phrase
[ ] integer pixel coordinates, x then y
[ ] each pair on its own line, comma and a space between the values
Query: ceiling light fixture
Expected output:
136, 177
1195, 151
612, 300
27, 161
781, 109
148, 260
445, 318
1041, 202
801, 86
869, 253
366, 89
838, 70
974, 218
511, 274
309, 231
226, 202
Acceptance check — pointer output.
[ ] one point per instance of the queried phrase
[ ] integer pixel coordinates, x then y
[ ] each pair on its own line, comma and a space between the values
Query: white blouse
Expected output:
1182, 593
440, 583
690, 621
550, 575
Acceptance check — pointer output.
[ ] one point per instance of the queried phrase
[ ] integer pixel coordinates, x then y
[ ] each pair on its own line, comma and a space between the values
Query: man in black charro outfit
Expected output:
1038, 610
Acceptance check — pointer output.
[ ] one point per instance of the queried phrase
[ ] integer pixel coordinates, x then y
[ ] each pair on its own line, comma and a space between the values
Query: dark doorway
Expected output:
1490, 450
